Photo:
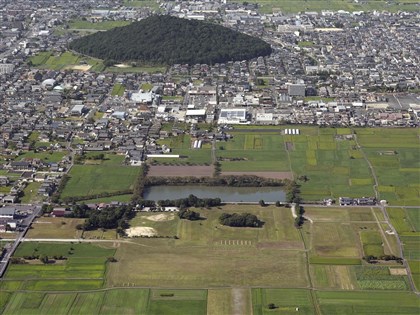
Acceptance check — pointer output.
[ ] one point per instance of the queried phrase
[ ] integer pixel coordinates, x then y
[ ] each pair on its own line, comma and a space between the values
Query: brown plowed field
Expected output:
275, 175
168, 171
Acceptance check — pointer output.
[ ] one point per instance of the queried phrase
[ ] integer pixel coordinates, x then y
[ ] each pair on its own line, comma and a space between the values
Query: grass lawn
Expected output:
104, 25
118, 90
272, 255
91, 180
55, 228
358, 303
44, 156
30, 193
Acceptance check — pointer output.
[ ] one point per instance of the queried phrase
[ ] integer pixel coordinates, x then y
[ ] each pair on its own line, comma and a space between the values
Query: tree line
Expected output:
229, 180
191, 201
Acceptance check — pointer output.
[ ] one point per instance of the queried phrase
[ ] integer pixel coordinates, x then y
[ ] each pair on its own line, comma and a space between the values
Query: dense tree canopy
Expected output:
168, 40
240, 220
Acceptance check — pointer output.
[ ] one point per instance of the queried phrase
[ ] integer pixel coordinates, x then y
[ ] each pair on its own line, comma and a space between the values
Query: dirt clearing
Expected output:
398, 271
161, 217
141, 231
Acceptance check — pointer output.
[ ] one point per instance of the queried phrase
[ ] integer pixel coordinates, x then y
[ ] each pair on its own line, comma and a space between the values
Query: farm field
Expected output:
361, 303
253, 152
116, 301
396, 162
183, 145
83, 268
96, 177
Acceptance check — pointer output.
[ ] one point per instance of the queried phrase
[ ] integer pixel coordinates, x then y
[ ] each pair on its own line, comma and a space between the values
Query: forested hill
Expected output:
169, 40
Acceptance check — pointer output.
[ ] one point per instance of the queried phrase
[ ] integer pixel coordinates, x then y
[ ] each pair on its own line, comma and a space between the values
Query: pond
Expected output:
226, 194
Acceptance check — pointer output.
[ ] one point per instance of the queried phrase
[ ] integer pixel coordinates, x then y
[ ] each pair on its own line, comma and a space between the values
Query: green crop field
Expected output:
379, 278
333, 276
372, 243
285, 300
118, 90
110, 177
395, 162
83, 269
253, 152
362, 303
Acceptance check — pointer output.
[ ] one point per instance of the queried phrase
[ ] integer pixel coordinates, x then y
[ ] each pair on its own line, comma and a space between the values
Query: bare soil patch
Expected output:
274, 175
79, 67
161, 217
122, 65
171, 171
398, 271
141, 231
289, 146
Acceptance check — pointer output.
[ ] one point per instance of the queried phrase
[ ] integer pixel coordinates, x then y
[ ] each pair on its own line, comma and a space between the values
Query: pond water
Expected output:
226, 194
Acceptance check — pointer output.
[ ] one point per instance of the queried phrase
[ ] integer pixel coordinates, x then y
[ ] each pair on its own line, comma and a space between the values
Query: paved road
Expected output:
10, 250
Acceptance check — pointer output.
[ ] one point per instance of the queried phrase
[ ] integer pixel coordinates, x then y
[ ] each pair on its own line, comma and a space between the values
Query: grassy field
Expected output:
182, 145
361, 303
285, 300
30, 193
104, 25
339, 277
248, 256
55, 228
118, 90
83, 269
117, 301
254, 152
96, 177
396, 162
47, 157
73, 61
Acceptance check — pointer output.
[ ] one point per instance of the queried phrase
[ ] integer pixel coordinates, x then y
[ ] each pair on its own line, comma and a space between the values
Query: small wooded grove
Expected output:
240, 220
164, 39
